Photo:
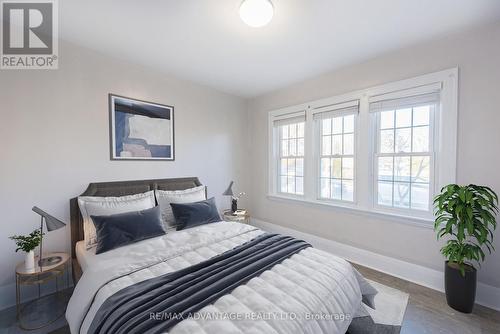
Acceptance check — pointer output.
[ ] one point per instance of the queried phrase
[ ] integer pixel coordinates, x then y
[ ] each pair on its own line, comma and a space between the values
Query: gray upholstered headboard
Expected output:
121, 188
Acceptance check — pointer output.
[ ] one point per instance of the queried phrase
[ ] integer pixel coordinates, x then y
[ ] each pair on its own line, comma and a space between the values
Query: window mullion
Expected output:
311, 155
363, 148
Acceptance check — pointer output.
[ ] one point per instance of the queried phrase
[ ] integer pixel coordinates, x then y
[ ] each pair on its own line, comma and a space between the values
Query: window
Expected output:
291, 158
404, 153
385, 150
287, 156
336, 154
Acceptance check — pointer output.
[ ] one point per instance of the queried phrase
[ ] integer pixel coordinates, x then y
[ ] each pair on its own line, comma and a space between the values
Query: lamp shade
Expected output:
229, 190
51, 222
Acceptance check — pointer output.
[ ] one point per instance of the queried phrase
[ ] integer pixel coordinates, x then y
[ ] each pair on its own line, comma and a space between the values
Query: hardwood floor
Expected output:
48, 308
427, 312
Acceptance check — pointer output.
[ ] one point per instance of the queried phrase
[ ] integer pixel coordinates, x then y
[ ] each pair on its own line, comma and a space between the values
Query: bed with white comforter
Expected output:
310, 292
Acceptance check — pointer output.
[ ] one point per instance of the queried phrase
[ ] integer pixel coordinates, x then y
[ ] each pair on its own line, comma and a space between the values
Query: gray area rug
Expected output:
387, 317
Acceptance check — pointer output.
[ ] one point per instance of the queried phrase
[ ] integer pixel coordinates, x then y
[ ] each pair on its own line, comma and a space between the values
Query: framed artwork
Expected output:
140, 130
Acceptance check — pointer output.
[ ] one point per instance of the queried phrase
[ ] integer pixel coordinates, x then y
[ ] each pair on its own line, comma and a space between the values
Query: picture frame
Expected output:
140, 130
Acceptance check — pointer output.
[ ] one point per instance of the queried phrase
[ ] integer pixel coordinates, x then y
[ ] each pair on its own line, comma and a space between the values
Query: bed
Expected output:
306, 291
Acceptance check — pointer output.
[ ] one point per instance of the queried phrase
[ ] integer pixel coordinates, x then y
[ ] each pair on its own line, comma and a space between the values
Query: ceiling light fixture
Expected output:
256, 13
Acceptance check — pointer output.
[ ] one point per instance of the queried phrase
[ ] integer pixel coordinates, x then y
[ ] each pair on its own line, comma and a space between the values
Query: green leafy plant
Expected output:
29, 242
466, 214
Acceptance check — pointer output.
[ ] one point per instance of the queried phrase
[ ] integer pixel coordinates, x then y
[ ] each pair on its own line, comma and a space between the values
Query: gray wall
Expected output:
477, 54
54, 135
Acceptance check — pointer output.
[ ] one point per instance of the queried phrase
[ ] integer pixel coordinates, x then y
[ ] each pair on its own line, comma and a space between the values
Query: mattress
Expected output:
309, 282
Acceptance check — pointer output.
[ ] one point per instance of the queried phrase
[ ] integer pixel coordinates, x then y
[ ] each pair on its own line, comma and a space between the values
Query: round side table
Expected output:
240, 216
37, 277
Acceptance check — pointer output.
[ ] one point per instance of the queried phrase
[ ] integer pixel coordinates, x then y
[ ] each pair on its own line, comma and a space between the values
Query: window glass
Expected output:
336, 163
403, 158
291, 159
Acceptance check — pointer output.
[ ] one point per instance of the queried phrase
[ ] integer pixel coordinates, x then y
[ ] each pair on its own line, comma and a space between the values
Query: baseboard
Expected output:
486, 295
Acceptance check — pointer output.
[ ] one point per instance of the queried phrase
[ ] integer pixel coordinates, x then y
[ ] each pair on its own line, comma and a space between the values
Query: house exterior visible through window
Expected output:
386, 150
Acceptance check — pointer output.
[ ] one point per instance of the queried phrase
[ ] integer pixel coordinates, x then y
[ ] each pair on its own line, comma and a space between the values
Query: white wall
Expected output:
54, 135
477, 55
55, 140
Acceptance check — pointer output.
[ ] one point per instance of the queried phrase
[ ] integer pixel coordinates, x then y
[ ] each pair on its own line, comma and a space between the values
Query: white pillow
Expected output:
102, 206
165, 197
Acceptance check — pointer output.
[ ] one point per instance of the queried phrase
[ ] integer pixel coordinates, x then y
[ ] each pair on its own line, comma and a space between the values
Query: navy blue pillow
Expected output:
194, 214
122, 229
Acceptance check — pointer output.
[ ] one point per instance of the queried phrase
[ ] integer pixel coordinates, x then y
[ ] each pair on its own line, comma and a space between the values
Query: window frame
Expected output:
318, 136
274, 151
432, 166
443, 131
280, 156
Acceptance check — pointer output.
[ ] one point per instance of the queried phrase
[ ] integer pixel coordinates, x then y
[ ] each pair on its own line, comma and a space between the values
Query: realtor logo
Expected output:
29, 34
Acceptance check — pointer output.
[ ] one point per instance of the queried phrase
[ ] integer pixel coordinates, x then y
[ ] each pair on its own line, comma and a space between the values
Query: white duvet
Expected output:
310, 292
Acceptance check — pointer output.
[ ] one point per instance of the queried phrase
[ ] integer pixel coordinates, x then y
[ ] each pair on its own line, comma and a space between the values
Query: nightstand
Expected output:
42, 307
241, 216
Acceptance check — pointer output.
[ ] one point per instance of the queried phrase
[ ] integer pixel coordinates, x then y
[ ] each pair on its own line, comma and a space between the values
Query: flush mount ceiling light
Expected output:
256, 13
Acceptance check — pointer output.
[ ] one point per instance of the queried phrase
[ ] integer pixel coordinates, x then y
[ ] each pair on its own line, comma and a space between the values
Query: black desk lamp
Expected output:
52, 224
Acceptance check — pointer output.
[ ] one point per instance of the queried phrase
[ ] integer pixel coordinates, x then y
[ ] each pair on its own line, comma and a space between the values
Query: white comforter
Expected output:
311, 292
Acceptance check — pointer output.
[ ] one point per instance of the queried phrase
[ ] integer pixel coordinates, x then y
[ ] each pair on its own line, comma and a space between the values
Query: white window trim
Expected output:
434, 162
284, 113
337, 111
445, 136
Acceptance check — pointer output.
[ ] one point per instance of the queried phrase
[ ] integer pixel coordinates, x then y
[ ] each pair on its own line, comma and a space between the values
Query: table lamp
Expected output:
52, 224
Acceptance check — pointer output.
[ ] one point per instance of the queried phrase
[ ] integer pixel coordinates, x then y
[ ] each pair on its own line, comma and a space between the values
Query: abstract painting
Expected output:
140, 130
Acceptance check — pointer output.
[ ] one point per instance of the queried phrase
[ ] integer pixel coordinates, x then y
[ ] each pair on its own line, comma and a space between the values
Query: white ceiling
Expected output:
206, 42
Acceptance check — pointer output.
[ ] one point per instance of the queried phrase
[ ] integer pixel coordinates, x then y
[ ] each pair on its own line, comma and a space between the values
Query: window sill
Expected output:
407, 220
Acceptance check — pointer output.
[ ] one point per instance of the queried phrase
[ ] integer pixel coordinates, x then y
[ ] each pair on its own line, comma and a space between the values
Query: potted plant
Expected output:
465, 215
28, 243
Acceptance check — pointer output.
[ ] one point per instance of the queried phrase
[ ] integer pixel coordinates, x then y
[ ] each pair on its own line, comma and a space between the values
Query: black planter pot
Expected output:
460, 290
